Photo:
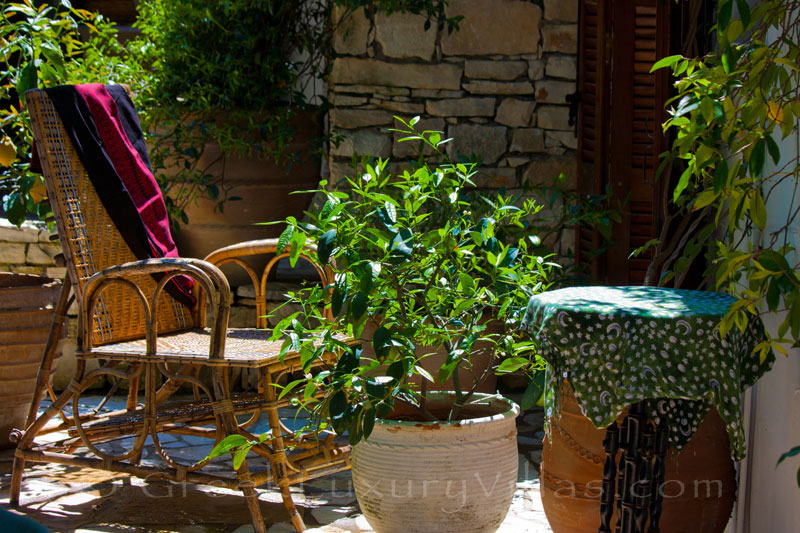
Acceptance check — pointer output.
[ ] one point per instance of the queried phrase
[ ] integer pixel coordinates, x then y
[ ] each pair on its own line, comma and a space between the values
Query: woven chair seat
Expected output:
243, 348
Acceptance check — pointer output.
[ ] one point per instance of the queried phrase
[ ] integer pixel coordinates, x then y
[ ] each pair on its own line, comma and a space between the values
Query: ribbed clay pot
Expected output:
26, 312
265, 189
433, 359
445, 477
700, 483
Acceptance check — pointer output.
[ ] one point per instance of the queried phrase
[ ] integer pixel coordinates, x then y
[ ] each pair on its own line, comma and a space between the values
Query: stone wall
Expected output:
497, 87
28, 250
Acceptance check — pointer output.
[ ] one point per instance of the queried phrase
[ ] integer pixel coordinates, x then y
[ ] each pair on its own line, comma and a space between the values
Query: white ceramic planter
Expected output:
439, 476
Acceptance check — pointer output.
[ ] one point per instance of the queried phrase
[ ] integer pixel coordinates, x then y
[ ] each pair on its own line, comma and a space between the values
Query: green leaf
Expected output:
758, 210
773, 261
707, 109
396, 370
288, 388
338, 404
446, 371
238, 457
388, 214
358, 306
296, 248
665, 62
757, 156
401, 241
339, 294
463, 305
466, 281
285, 238
704, 198
369, 421
744, 12
794, 318
227, 444
355, 429
533, 392
720, 175
294, 340
424, 373
325, 246
513, 364
683, 182
724, 14
28, 78
348, 361
774, 150
773, 295
791, 453
374, 388
381, 342
726, 61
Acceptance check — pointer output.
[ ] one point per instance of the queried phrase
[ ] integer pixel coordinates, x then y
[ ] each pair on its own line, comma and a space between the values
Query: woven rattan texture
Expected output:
88, 236
243, 347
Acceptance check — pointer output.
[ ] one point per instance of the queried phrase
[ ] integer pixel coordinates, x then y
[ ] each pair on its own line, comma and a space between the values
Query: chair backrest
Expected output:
89, 238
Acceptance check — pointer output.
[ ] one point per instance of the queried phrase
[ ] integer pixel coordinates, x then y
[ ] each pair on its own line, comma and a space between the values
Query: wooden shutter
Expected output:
620, 125
592, 121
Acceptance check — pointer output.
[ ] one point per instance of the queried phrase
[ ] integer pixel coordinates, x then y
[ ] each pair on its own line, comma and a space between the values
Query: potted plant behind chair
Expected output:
422, 461
230, 118
234, 98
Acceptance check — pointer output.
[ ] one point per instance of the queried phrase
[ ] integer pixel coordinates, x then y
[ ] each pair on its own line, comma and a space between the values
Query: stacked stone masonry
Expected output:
497, 86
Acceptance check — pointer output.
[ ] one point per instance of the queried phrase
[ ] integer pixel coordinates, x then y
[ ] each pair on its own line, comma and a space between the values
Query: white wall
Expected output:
769, 498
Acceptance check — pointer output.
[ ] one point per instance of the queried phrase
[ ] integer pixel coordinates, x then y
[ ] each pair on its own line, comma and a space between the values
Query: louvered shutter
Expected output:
619, 130
592, 121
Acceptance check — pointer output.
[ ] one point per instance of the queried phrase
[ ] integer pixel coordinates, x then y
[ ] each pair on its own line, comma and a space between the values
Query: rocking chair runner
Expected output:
135, 329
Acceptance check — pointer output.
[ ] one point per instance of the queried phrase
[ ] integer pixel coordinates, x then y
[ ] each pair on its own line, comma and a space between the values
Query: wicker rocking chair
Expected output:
134, 330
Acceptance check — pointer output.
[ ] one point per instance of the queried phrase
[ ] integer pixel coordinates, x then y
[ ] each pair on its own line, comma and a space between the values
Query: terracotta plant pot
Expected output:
457, 477
26, 311
700, 483
434, 359
265, 189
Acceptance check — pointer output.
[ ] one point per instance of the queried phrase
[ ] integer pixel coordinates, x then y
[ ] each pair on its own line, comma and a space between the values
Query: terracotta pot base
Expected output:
700, 483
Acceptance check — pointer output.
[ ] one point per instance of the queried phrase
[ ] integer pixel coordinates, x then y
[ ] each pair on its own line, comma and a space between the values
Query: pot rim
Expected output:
481, 398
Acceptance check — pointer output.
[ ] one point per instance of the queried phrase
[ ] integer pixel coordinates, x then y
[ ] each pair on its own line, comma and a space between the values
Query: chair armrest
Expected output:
234, 254
209, 278
243, 249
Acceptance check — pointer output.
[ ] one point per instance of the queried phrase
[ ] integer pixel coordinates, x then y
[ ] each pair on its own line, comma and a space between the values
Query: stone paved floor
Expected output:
70, 499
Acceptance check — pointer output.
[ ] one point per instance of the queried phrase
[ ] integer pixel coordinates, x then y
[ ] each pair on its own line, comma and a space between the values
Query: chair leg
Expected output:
247, 487
279, 463
294, 515
16, 481
27, 438
228, 426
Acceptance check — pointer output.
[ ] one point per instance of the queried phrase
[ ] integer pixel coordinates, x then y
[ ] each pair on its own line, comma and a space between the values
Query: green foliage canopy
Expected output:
731, 109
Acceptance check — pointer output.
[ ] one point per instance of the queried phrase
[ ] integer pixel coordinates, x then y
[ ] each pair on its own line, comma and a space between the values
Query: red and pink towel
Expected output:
103, 125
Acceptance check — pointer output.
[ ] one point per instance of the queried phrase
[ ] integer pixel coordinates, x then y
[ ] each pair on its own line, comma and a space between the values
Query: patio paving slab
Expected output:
75, 500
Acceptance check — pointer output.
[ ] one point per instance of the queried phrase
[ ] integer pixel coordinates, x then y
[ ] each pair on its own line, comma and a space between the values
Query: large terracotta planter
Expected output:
445, 477
265, 189
434, 359
26, 311
700, 482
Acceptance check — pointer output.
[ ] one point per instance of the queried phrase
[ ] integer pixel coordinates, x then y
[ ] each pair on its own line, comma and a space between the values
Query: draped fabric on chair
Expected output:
103, 126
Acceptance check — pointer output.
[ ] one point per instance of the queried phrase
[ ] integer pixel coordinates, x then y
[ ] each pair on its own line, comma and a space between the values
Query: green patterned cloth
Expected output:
618, 345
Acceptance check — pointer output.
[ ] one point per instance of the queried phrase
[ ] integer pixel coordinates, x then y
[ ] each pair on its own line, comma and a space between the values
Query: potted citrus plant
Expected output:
447, 459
